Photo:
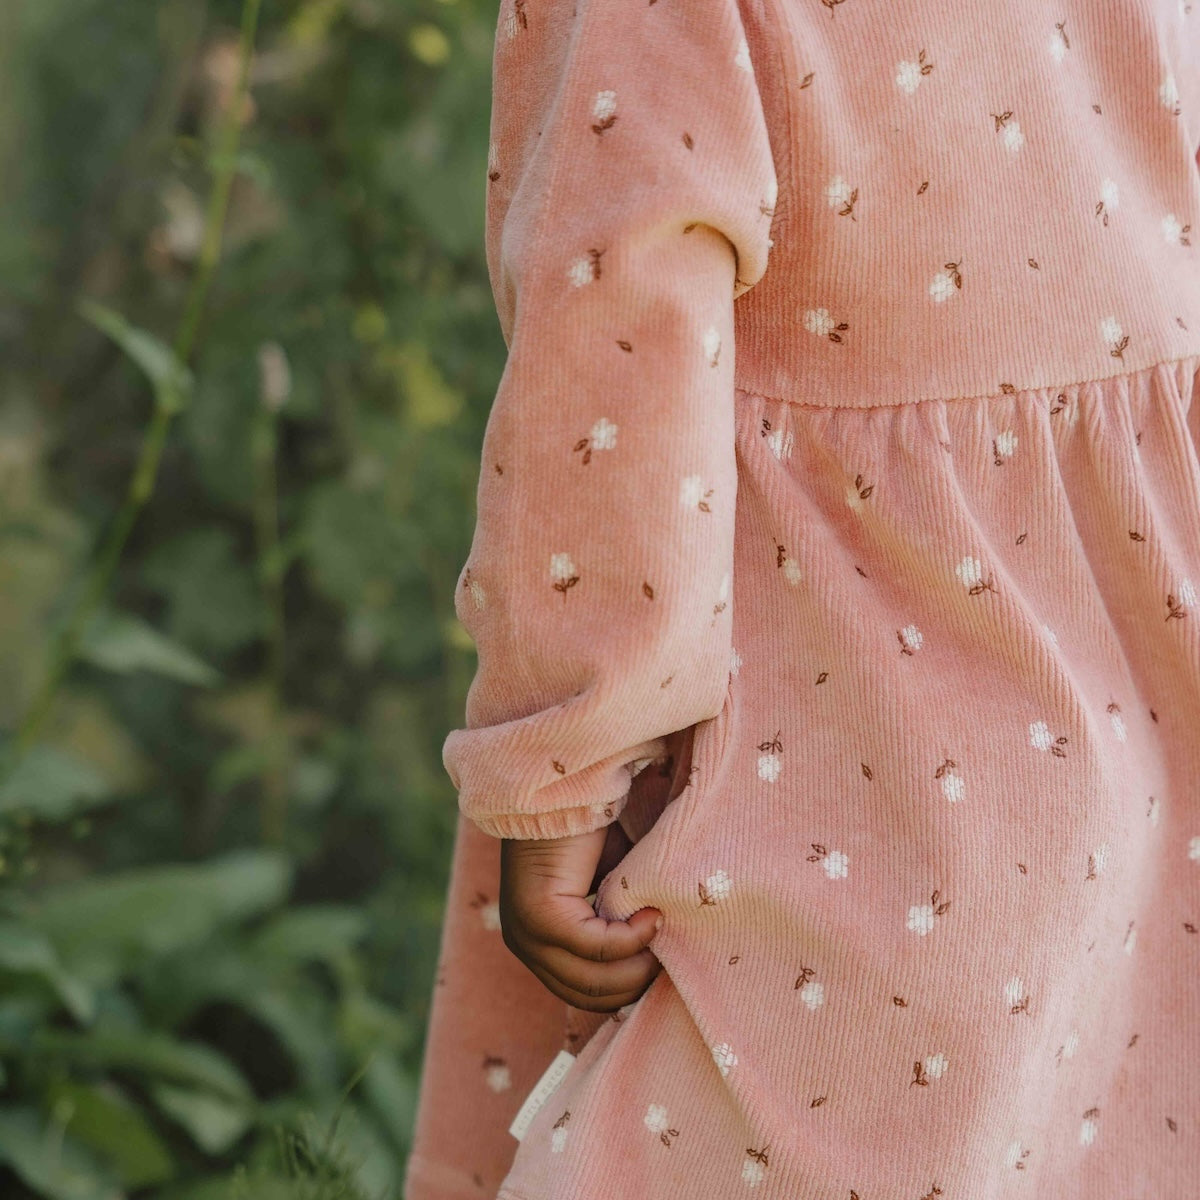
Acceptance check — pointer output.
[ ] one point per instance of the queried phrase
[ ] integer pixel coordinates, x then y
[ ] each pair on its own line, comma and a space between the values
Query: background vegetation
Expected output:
232, 514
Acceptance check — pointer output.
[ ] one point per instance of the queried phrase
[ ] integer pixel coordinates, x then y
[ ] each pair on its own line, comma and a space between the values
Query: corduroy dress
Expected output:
838, 533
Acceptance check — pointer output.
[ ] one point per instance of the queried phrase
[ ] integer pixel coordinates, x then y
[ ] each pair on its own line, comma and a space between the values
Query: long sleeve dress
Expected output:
880, 637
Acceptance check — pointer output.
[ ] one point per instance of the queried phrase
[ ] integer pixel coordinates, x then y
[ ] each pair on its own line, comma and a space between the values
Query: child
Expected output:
892, 626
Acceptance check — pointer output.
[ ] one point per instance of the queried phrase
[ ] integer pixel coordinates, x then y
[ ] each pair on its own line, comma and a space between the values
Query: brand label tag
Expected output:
552, 1076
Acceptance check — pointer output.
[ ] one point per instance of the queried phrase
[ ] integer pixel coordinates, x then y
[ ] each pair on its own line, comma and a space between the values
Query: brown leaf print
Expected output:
1006, 389
817, 1102
1023, 868
933, 1191
647, 591
687, 140
1135, 536
761, 1155
583, 444
562, 1121
1171, 1124
919, 1076
924, 185
1174, 608
1033, 263
626, 346
866, 770
824, 675
899, 1002
1060, 402
558, 766
806, 80
1021, 538
863, 492
832, 4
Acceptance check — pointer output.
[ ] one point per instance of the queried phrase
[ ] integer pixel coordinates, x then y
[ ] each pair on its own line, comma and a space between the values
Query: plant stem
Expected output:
141, 486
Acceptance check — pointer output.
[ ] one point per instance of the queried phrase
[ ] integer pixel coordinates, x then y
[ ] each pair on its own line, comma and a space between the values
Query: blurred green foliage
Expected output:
223, 857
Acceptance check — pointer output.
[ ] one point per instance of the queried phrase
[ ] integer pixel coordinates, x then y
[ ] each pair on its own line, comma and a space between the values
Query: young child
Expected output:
869, 661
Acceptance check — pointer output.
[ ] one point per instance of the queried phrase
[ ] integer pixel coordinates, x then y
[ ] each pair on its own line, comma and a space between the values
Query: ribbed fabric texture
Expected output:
882, 643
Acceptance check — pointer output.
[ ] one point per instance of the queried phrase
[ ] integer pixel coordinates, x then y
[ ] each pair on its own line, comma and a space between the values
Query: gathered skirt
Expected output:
931, 879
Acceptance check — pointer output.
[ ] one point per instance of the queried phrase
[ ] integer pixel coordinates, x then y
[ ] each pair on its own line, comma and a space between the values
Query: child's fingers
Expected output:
597, 980
572, 924
593, 996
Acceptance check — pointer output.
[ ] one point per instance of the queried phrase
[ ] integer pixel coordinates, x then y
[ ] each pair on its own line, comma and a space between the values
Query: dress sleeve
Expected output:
630, 192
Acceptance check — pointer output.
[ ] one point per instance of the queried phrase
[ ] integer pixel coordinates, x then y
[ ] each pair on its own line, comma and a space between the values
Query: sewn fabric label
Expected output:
552, 1076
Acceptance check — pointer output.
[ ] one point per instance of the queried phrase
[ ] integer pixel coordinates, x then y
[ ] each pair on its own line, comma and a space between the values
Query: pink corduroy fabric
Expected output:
839, 534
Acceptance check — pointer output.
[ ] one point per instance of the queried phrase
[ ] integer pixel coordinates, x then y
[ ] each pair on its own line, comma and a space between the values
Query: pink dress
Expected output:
839, 533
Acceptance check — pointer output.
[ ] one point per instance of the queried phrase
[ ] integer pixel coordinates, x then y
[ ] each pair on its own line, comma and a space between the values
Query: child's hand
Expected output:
547, 922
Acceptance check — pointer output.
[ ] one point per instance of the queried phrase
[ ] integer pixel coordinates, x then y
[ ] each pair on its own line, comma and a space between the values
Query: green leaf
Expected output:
171, 379
123, 643
214, 1123
315, 933
102, 925
27, 951
147, 1052
102, 1118
52, 785
52, 1165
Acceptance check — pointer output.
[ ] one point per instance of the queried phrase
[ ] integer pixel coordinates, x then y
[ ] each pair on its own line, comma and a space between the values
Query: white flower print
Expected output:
969, 571
558, 1139
477, 593
497, 1074
1110, 198
1113, 336
1168, 93
838, 192
489, 915
656, 1121
1009, 129
582, 271
1006, 443
511, 24
1015, 1155
712, 345
743, 57
1194, 849
735, 662
1050, 634
1100, 857
1130, 939
562, 569
1014, 989
753, 1172
604, 106
780, 444
935, 1065
493, 159
837, 865
920, 918
1118, 725
911, 638
1071, 1044
770, 766
1087, 1131
724, 1057
692, 493
954, 787
942, 286
716, 888
813, 994
1058, 44
603, 435
818, 321
1041, 738
908, 76
723, 592
1173, 231
1187, 593
1153, 811
791, 571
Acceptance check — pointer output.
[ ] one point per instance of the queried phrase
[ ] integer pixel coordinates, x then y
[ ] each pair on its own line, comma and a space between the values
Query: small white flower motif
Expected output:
1118, 724
493, 159
752, 1172
908, 76
837, 192
1130, 939
791, 571
1071, 1044
558, 1139
854, 498
1012, 1156
770, 766
837, 865
954, 787
942, 287
489, 915
1040, 737
718, 886
603, 435
1172, 229
561, 567
912, 637
780, 443
1111, 333
581, 271
1014, 990
1087, 1132
1109, 194
1006, 443
743, 57
691, 491
498, 1077
813, 994
1168, 92
1011, 136
1050, 634
511, 24
477, 593
1057, 46
604, 106
735, 663
969, 571
920, 918
1153, 812
935, 1066
772, 193
712, 345
1100, 857
1194, 849
1187, 593
724, 1057
656, 1119
818, 321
